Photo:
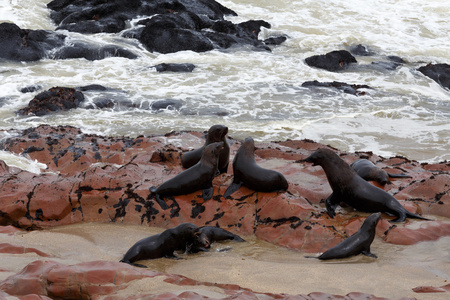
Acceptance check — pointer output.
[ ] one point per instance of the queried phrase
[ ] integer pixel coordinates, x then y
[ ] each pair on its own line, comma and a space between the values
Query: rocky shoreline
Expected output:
92, 178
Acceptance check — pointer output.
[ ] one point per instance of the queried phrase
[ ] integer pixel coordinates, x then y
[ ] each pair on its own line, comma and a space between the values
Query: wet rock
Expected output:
179, 68
32, 45
275, 40
353, 89
106, 179
438, 72
175, 26
432, 289
27, 45
333, 61
167, 104
8, 248
55, 99
30, 89
361, 50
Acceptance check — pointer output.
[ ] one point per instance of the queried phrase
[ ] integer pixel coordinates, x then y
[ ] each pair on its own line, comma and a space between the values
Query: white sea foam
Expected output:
257, 93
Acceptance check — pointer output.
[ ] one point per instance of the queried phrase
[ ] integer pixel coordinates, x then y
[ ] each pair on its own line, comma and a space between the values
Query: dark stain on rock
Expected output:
121, 208
150, 211
174, 209
197, 209
32, 149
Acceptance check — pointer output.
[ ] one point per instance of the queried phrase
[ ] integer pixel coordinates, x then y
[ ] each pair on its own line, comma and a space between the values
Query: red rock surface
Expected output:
107, 179
91, 178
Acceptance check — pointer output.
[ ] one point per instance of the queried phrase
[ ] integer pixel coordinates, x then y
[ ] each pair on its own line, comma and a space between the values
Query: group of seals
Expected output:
247, 172
185, 237
350, 188
163, 244
217, 133
213, 158
197, 177
368, 171
348, 183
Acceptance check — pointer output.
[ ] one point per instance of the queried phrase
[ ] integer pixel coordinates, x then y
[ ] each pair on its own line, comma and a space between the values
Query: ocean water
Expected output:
258, 93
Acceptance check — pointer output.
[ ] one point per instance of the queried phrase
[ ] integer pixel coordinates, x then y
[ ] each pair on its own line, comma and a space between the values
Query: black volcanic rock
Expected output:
438, 72
174, 25
55, 99
353, 89
333, 61
178, 68
18, 44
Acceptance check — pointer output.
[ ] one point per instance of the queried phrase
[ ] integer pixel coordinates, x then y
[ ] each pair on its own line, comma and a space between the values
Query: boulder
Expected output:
353, 89
53, 100
333, 61
438, 72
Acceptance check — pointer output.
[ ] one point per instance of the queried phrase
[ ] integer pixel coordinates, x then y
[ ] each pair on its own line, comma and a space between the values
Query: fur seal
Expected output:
211, 234
358, 243
162, 244
368, 171
248, 173
350, 188
217, 133
197, 177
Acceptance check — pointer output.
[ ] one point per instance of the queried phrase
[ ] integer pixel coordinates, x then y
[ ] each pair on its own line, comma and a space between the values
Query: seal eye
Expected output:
197, 234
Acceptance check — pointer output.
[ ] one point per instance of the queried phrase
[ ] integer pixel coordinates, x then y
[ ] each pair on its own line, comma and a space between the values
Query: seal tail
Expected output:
411, 215
309, 256
132, 264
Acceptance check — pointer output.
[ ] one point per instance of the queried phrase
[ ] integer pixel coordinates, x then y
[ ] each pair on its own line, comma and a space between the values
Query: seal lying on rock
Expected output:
248, 173
211, 234
350, 188
197, 177
368, 171
162, 244
216, 133
359, 243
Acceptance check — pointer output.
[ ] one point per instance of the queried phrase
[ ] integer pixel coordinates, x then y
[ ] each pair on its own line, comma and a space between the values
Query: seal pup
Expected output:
217, 133
212, 234
162, 244
248, 173
350, 188
197, 177
358, 243
368, 171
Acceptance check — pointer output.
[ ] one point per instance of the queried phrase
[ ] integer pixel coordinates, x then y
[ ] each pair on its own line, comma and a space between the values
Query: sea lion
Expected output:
216, 133
368, 171
163, 244
248, 173
358, 243
211, 234
350, 188
197, 177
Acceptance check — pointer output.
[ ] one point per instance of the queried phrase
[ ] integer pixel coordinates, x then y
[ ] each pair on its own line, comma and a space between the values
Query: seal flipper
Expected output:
232, 188
133, 264
399, 175
161, 202
331, 203
208, 193
411, 215
367, 253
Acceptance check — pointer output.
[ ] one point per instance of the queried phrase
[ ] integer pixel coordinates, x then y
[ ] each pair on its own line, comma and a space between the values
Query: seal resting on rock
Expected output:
197, 177
162, 244
368, 171
217, 133
211, 234
350, 188
359, 243
248, 173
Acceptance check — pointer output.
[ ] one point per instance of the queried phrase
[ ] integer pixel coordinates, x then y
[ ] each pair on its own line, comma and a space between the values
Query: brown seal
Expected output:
163, 244
367, 170
197, 177
359, 243
216, 133
248, 173
350, 188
